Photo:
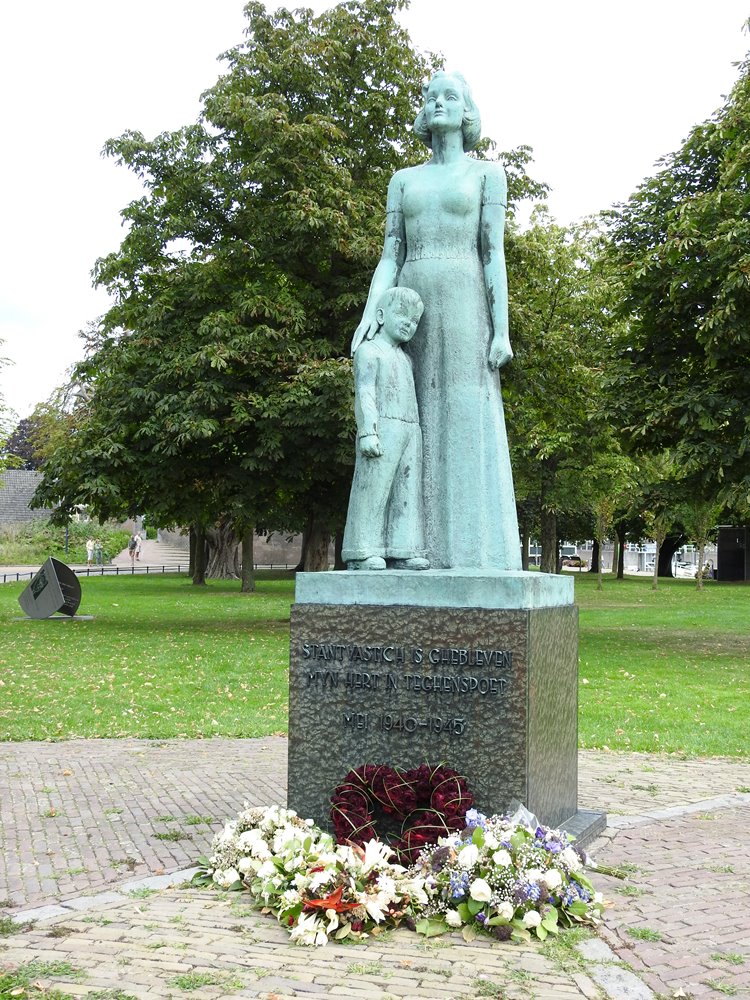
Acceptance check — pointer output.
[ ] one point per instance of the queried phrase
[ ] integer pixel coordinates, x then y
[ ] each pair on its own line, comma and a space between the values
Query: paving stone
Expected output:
619, 983
661, 826
596, 950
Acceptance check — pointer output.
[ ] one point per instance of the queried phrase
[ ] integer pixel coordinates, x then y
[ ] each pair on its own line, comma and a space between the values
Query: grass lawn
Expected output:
162, 658
664, 671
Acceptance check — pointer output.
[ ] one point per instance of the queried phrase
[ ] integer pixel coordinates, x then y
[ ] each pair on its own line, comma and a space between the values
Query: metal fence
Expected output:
129, 571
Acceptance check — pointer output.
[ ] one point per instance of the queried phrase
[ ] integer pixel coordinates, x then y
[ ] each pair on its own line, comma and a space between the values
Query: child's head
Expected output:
398, 314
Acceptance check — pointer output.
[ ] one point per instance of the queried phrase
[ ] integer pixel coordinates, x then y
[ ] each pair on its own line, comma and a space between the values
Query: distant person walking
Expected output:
89, 551
132, 546
138, 545
98, 552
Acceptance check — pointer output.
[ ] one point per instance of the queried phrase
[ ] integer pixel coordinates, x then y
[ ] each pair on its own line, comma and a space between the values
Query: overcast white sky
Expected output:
599, 90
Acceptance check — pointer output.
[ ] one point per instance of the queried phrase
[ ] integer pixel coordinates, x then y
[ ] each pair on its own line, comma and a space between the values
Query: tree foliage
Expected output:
681, 378
218, 384
560, 318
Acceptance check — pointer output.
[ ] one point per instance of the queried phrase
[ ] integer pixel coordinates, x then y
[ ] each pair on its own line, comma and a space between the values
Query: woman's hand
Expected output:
500, 352
366, 330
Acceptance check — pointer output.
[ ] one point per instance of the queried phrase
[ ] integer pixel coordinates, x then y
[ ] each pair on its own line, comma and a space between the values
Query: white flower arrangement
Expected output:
314, 887
507, 876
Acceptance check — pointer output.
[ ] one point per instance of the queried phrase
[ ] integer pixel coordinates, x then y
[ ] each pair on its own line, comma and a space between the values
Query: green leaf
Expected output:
518, 839
431, 927
469, 932
474, 906
478, 836
464, 912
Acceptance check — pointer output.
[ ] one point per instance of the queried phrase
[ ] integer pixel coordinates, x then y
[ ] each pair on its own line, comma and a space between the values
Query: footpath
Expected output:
97, 839
155, 557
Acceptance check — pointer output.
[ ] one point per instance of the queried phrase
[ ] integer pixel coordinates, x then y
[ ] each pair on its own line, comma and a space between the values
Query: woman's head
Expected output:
471, 125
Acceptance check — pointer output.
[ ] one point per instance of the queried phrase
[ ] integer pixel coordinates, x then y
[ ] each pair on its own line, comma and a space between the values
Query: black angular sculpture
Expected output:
55, 588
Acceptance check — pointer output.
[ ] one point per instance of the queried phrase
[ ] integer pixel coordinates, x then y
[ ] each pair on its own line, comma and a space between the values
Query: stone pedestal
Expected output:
474, 670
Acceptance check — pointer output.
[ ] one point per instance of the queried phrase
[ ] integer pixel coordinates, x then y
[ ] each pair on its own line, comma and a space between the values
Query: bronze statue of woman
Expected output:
444, 238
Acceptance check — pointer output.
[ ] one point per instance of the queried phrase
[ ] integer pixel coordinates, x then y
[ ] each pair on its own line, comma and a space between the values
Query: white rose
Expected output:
246, 865
453, 919
490, 840
534, 875
468, 856
386, 885
248, 838
226, 877
320, 878
505, 910
502, 859
571, 859
266, 869
480, 891
552, 879
532, 919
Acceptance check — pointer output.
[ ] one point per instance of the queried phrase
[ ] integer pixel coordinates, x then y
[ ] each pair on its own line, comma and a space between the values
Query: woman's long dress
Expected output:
470, 511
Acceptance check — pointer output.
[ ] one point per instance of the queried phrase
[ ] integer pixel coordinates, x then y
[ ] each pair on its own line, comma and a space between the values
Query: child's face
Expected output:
399, 322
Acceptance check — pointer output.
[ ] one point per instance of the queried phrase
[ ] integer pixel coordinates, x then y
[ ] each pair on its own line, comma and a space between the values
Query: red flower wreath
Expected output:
429, 801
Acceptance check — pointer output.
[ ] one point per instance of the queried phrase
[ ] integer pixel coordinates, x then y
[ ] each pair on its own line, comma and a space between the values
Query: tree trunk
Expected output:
316, 550
248, 574
595, 558
198, 536
655, 580
338, 560
615, 553
524, 550
670, 545
223, 552
548, 519
549, 541
701, 558
621, 535
301, 564
191, 549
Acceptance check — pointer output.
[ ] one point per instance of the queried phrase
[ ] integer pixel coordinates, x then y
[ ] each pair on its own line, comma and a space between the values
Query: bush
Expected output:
30, 543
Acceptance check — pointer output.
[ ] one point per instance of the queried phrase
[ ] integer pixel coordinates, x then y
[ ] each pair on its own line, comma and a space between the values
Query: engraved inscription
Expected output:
387, 722
366, 677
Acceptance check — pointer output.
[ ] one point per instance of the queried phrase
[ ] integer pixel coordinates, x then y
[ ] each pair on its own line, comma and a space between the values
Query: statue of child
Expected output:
384, 522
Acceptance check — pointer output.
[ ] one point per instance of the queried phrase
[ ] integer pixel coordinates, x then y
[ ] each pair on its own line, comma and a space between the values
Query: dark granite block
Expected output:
492, 693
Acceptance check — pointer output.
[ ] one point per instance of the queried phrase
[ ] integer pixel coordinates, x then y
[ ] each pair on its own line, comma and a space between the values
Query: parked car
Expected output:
572, 561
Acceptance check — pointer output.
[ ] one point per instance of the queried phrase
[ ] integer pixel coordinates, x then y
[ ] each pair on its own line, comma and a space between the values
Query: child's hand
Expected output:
370, 447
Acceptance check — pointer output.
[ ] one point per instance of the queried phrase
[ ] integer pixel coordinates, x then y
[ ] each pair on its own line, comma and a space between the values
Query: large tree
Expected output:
681, 377
218, 385
560, 317
216, 381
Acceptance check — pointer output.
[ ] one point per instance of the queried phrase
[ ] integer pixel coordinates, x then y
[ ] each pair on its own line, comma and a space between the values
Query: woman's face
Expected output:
444, 104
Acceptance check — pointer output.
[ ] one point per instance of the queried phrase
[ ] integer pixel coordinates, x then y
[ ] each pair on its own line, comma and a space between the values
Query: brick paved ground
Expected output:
81, 817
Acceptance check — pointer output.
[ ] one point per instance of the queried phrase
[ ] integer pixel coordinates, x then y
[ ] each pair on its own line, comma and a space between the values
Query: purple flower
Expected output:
474, 818
459, 883
481, 918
